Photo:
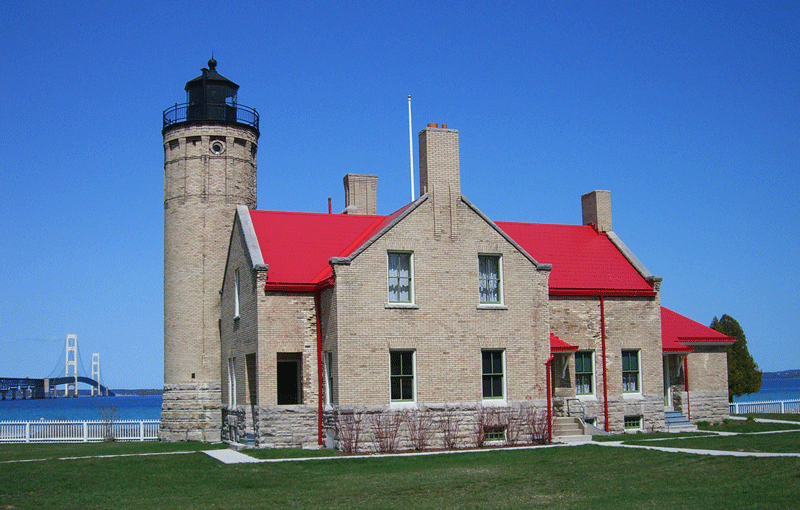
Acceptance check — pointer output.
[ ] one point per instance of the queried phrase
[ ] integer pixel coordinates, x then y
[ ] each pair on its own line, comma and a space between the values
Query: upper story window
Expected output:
631, 382
584, 373
490, 283
401, 268
236, 288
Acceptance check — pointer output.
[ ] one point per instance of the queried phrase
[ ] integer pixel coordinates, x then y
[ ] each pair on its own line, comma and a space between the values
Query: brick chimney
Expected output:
440, 178
596, 206
360, 194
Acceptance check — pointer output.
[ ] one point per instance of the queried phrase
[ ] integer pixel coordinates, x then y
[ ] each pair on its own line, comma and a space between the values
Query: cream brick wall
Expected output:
708, 384
446, 327
631, 323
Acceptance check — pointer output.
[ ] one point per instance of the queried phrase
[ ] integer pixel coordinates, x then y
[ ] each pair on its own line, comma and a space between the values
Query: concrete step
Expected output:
572, 439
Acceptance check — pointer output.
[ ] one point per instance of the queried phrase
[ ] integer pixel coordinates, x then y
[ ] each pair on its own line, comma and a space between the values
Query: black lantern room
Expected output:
211, 97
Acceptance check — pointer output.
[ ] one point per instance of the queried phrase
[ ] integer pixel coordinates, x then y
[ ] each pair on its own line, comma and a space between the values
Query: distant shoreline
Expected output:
784, 374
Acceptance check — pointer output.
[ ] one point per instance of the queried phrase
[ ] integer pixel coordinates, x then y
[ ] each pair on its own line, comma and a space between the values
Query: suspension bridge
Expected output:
47, 387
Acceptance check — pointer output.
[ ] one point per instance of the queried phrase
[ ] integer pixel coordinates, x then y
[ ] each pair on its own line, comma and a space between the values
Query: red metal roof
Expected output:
677, 330
297, 246
584, 260
558, 345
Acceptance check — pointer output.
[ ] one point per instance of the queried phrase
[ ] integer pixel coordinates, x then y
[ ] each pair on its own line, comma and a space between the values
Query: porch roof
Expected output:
558, 345
679, 333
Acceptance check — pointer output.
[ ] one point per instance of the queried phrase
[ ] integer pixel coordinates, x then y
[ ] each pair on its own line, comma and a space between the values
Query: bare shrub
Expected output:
481, 419
109, 416
450, 426
419, 425
535, 420
514, 422
385, 427
348, 430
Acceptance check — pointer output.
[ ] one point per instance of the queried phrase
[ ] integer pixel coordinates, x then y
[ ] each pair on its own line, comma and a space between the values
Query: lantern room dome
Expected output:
211, 97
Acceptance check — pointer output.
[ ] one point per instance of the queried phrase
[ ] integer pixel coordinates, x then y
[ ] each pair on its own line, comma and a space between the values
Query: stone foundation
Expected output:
446, 426
649, 407
710, 406
191, 412
285, 426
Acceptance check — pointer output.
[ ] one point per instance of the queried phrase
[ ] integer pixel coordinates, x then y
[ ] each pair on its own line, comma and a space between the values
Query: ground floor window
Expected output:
630, 372
633, 423
290, 391
584, 373
402, 375
496, 433
232, 382
492, 373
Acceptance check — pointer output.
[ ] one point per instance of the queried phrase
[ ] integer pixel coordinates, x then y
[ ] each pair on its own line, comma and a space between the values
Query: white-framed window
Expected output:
401, 367
400, 277
490, 279
584, 373
236, 293
329, 378
232, 382
631, 376
493, 374
632, 423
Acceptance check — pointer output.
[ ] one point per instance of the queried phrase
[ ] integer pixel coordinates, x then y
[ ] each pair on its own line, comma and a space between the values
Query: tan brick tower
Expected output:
210, 147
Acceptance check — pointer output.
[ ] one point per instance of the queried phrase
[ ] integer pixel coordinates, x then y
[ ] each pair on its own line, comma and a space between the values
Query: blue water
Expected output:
146, 407
774, 389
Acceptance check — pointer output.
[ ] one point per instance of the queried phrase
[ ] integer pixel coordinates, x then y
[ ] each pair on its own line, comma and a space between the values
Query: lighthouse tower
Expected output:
210, 144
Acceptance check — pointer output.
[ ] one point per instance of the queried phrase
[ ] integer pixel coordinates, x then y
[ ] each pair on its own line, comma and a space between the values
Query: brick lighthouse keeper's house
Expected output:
433, 308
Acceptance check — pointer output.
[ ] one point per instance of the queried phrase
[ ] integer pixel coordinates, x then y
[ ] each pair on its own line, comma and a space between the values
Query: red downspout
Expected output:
318, 306
605, 379
686, 381
549, 402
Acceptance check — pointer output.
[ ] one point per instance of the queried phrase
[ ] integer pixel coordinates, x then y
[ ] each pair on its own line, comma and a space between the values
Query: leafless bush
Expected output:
535, 420
109, 416
348, 430
450, 426
481, 423
514, 422
419, 425
385, 427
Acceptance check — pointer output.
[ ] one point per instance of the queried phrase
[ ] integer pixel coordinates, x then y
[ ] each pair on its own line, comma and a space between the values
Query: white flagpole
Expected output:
410, 149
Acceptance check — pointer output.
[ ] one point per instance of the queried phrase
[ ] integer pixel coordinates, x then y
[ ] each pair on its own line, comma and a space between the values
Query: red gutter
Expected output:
317, 307
603, 292
686, 381
549, 401
605, 378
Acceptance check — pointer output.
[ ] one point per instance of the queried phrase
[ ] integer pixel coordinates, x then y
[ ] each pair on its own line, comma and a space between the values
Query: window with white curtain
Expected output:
401, 268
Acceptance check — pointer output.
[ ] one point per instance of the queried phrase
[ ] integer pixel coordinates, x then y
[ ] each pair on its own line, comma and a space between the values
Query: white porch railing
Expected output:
77, 431
772, 406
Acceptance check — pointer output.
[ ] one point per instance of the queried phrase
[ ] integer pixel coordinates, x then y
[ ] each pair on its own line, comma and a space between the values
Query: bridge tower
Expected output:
72, 362
96, 372
210, 145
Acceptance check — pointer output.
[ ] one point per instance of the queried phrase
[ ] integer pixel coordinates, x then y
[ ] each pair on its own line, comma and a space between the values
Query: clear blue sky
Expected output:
689, 112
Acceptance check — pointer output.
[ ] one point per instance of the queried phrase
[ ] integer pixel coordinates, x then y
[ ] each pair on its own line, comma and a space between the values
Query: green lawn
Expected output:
589, 476
748, 426
784, 442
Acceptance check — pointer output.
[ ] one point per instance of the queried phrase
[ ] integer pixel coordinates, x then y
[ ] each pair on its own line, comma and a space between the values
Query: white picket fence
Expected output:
772, 406
77, 431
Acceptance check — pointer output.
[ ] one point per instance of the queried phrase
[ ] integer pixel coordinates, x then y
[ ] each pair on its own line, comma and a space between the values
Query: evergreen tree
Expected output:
743, 373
